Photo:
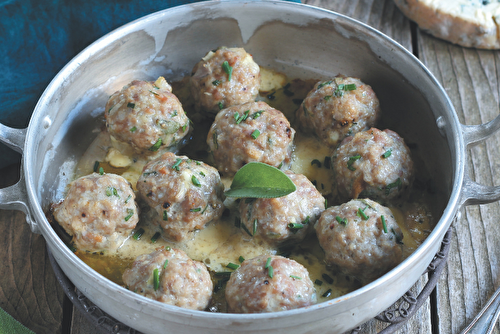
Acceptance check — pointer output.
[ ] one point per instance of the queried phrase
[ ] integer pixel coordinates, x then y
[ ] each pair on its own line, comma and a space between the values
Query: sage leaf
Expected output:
259, 180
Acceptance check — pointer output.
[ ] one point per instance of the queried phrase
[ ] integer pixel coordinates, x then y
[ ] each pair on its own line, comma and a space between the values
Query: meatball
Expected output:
146, 116
249, 132
99, 211
224, 77
338, 108
284, 219
360, 238
171, 277
185, 194
269, 284
374, 164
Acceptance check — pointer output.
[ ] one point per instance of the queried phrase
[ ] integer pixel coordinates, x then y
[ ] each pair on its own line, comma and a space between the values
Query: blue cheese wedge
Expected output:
470, 23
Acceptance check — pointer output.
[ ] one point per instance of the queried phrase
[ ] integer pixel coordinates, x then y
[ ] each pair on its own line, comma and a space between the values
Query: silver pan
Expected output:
303, 41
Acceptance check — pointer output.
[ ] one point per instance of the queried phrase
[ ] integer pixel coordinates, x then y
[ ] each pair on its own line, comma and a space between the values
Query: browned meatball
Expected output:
186, 194
224, 77
250, 132
337, 108
269, 284
375, 164
171, 277
284, 219
361, 238
146, 116
99, 211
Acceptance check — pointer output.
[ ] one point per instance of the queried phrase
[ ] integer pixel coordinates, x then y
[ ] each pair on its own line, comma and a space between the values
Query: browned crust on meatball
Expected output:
185, 194
250, 132
251, 289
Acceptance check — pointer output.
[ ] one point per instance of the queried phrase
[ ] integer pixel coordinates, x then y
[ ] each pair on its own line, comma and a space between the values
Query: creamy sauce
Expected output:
222, 242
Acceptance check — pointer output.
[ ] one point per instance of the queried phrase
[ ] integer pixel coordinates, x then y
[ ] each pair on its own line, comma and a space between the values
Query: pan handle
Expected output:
473, 192
16, 197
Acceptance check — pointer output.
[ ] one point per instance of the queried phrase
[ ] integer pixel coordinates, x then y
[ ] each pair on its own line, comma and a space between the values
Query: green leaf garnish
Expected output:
259, 180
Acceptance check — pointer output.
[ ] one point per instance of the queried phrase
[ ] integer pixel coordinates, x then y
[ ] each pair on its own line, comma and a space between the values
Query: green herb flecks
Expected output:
195, 181
176, 164
341, 221
138, 234
387, 153
255, 134
131, 105
228, 69
130, 213
156, 145
156, 279
384, 224
351, 161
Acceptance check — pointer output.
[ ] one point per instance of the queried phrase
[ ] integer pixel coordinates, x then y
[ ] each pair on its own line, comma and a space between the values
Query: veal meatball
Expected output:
269, 284
146, 116
284, 219
99, 211
250, 132
337, 108
360, 238
375, 164
224, 77
185, 194
171, 277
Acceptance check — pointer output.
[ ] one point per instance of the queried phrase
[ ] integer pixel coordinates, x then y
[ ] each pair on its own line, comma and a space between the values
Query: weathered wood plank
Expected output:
470, 78
29, 290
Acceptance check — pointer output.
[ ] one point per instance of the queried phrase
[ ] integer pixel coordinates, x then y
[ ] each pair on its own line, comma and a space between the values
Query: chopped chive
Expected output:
156, 279
254, 226
156, 145
201, 173
128, 199
195, 209
327, 293
257, 114
342, 221
241, 259
387, 153
295, 277
318, 282
205, 209
327, 278
232, 266
352, 160
221, 105
101, 171
246, 230
228, 69
155, 237
268, 263
395, 184
138, 234
174, 113
295, 226
216, 82
165, 215
326, 204
115, 192
316, 162
130, 214
109, 191
153, 93
324, 84
362, 214
96, 166
236, 117
165, 264
131, 105
167, 248
255, 134
195, 181
176, 164
270, 271
184, 127
384, 225
306, 221
350, 87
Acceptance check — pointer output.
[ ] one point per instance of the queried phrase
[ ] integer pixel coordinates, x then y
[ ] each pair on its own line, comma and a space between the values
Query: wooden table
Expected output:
30, 292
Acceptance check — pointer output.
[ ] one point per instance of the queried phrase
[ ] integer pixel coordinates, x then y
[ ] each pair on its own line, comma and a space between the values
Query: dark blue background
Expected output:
38, 37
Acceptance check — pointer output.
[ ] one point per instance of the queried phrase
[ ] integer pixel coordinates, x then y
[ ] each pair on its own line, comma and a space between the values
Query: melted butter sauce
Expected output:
222, 242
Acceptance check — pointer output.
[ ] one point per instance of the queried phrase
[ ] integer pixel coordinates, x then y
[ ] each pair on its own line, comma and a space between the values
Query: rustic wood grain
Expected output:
29, 290
470, 78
